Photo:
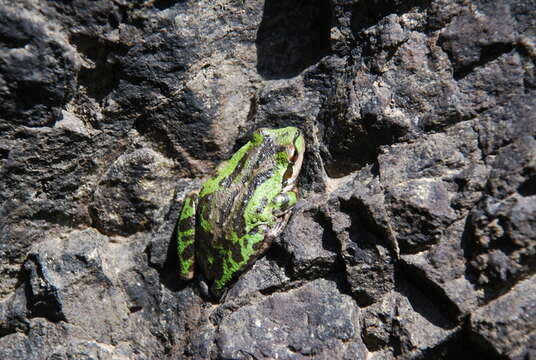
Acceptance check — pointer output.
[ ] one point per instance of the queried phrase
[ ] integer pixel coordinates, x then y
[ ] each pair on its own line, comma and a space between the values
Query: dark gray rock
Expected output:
202, 344
44, 187
315, 320
133, 193
421, 184
503, 228
292, 37
42, 339
83, 287
265, 275
408, 316
442, 273
369, 266
14, 313
503, 250
514, 170
507, 324
162, 249
28, 41
308, 239
417, 191
476, 36
367, 246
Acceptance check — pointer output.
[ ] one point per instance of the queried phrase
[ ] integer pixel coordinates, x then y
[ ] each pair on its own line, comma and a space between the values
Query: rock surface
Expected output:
415, 235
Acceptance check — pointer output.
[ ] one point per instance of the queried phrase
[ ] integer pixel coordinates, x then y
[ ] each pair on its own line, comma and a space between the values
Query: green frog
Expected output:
232, 220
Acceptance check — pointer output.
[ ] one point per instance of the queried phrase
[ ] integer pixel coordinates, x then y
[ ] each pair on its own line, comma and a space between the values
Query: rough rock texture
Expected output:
415, 235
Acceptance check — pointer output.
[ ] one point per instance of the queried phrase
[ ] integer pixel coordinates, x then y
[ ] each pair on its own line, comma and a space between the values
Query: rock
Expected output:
508, 324
414, 234
43, 337
421, 185
34, 98
14, 313
162, 249
411, 318
55, 268
442, 273
202, 343
54, 187
264, 276
88, 295
495, 92
503, 229
367, 245
313, 320
292, 37
472, 37
514, 170
308, 240
133, 193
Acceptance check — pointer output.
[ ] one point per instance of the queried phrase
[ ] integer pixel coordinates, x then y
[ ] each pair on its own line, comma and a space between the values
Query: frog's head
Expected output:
288, 141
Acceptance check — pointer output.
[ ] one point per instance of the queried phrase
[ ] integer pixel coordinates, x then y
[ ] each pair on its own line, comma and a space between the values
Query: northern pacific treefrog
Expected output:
232, 220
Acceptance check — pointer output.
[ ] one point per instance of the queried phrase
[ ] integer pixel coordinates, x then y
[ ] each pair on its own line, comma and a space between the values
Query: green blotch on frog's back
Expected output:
230, 266
188, 210
213, 184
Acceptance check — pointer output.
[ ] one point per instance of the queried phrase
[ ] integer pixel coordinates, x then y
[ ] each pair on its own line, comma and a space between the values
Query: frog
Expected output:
232, 220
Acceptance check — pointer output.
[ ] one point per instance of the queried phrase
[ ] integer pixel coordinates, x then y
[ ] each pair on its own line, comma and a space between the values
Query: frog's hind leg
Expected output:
186, 237
236, 262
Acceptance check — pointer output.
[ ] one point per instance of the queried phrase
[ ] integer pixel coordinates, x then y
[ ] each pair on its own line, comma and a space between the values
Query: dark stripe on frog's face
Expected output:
265, 170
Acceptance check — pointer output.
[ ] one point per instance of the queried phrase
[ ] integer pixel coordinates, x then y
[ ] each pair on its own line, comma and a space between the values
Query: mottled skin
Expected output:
242, 208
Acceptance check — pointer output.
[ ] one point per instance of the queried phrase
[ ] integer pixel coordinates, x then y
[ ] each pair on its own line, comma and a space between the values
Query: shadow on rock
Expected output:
292, 36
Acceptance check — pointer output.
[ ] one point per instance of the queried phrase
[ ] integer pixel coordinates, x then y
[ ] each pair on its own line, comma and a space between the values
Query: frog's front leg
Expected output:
281, 206
186, 237
283, 202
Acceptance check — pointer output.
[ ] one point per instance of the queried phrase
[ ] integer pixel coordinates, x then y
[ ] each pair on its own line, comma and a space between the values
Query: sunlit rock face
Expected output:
414, 236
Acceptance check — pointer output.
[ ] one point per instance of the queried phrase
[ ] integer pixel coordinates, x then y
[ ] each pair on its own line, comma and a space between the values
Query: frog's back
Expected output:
231, 224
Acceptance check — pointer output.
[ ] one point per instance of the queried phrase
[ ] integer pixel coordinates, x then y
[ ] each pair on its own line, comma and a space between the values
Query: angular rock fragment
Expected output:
508, 324
313, 320
129, 198
407, 323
